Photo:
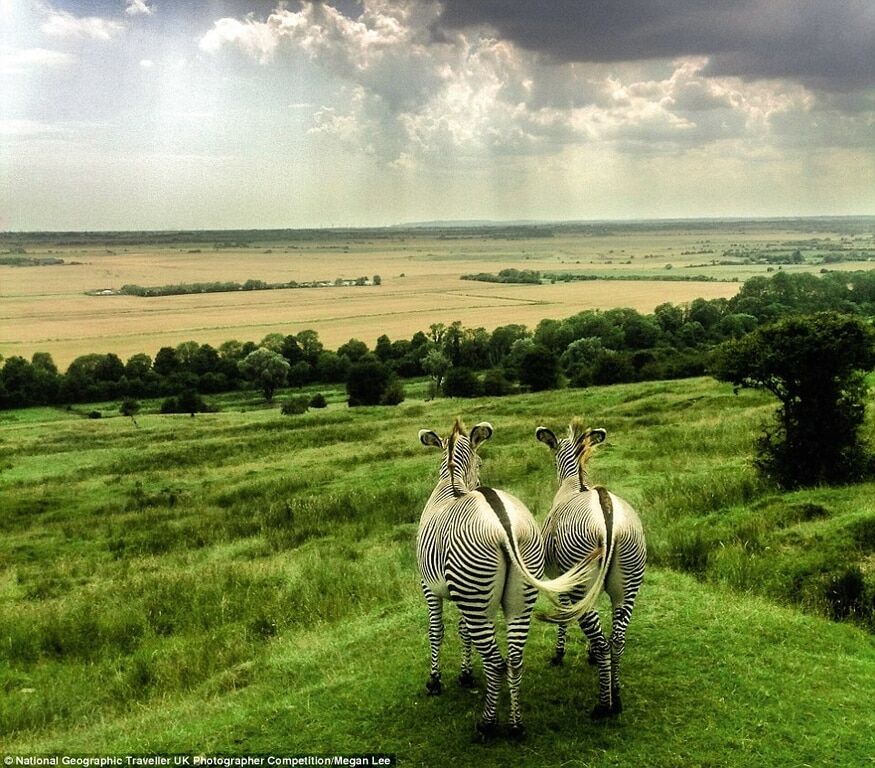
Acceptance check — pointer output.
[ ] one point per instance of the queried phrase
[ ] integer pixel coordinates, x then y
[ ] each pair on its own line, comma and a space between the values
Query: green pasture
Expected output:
243, 581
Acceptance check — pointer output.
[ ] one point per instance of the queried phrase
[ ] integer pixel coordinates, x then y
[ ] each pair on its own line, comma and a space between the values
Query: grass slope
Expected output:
242, 581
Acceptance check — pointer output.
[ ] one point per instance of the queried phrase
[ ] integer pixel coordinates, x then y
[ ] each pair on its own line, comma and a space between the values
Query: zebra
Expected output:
584, 519
482, 549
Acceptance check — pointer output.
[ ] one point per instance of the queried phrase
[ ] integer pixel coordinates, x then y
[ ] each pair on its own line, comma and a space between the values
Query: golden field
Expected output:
45, 308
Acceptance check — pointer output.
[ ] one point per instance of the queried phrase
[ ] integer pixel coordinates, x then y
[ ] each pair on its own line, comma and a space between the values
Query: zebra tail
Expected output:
573, 612
580, 574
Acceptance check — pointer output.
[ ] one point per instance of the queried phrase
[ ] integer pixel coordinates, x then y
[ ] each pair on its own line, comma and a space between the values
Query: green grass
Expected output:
243, 581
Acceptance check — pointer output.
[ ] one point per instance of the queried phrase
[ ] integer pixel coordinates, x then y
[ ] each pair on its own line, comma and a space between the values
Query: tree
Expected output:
354, 349
815, 366
436, 364
129, 407
461, 382
368, 380
539, 369
267, 370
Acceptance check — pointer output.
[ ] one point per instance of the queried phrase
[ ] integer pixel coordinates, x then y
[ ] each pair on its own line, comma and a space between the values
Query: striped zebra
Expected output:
584, 519
482, 549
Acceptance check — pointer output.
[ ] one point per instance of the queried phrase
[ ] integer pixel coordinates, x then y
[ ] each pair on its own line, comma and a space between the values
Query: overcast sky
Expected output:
152, 114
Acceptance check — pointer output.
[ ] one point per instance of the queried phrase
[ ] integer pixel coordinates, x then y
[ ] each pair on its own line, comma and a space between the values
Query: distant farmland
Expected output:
45, 308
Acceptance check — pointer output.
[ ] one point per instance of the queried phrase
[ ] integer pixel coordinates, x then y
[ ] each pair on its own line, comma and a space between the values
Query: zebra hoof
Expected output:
557, 659
591, 658
486, 731
600, 712
466, 679
433, 687
517, 732
616, 703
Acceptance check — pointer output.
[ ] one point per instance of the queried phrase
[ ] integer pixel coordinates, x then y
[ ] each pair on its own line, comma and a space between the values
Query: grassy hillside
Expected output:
243, 581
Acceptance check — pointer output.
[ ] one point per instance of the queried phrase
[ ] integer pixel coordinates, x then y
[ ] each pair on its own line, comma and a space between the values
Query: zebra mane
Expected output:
578, 432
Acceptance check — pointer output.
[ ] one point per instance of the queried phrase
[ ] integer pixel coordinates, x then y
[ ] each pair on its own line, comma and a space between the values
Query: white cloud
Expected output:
138, 7
147, 63
23, 128
256, 38
15, 60
63, 24
413, 95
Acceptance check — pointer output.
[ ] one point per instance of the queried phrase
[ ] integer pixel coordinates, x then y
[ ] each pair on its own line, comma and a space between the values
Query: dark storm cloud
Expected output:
827, 44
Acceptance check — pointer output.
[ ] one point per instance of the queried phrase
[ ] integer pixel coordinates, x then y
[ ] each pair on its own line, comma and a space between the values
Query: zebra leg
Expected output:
482, 633
466, 676
435, 637
601, 649
517, 634
561, 636
620, 621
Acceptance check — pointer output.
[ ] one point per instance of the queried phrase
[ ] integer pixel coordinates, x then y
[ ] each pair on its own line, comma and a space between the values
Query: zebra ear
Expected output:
596, 436
547, 437
480, 433
431, 438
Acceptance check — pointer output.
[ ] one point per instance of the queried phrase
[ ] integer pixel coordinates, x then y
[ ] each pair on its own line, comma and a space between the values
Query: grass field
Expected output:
45, 309
245, 582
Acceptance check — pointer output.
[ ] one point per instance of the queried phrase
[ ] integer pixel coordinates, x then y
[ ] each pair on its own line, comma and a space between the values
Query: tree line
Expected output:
591, 347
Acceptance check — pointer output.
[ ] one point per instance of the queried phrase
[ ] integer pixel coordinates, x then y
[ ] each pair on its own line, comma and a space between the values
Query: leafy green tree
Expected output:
461, 382
436, 364
539, 369
368, 380
815, 366
354, 350
267, 370
129, 407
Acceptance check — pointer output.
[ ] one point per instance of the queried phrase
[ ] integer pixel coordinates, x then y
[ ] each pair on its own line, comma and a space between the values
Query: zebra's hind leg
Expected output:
561, 636
517, 634
601, 649
435, 637
482, 633
620, 622
466, 676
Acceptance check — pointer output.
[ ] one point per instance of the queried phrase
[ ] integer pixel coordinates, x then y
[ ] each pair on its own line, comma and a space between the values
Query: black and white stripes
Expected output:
482, 549
582, 520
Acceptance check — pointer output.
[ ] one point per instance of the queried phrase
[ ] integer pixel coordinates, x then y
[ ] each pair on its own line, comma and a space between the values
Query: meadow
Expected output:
45, 309
245, 582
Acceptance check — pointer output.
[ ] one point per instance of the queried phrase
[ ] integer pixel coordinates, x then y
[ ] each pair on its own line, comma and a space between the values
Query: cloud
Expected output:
138, 7
24, 128
420, 84
15, 60
147, 63
65, 25
822, 44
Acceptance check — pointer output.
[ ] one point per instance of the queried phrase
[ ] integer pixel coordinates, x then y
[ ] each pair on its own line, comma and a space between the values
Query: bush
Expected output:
95, 415
368, 380
496, 383
393, 394
294, 405
461, 382
318, 401
129, 407
814, 365
187, 402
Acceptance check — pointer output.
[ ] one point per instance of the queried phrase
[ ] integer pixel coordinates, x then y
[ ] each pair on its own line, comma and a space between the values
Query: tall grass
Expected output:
143, 564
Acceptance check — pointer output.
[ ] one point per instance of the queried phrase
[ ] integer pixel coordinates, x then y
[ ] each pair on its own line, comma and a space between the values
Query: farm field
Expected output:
45, 308
221, 584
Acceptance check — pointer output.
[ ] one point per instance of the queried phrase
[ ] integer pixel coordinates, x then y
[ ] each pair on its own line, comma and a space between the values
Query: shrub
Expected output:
814, 365
461, 382
187, 402
496, 383
95, 415
318, 401
129, 407
393, 394
294, 405
368, 380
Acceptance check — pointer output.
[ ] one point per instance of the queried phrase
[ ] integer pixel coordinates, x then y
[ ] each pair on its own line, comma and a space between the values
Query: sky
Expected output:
153, 114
